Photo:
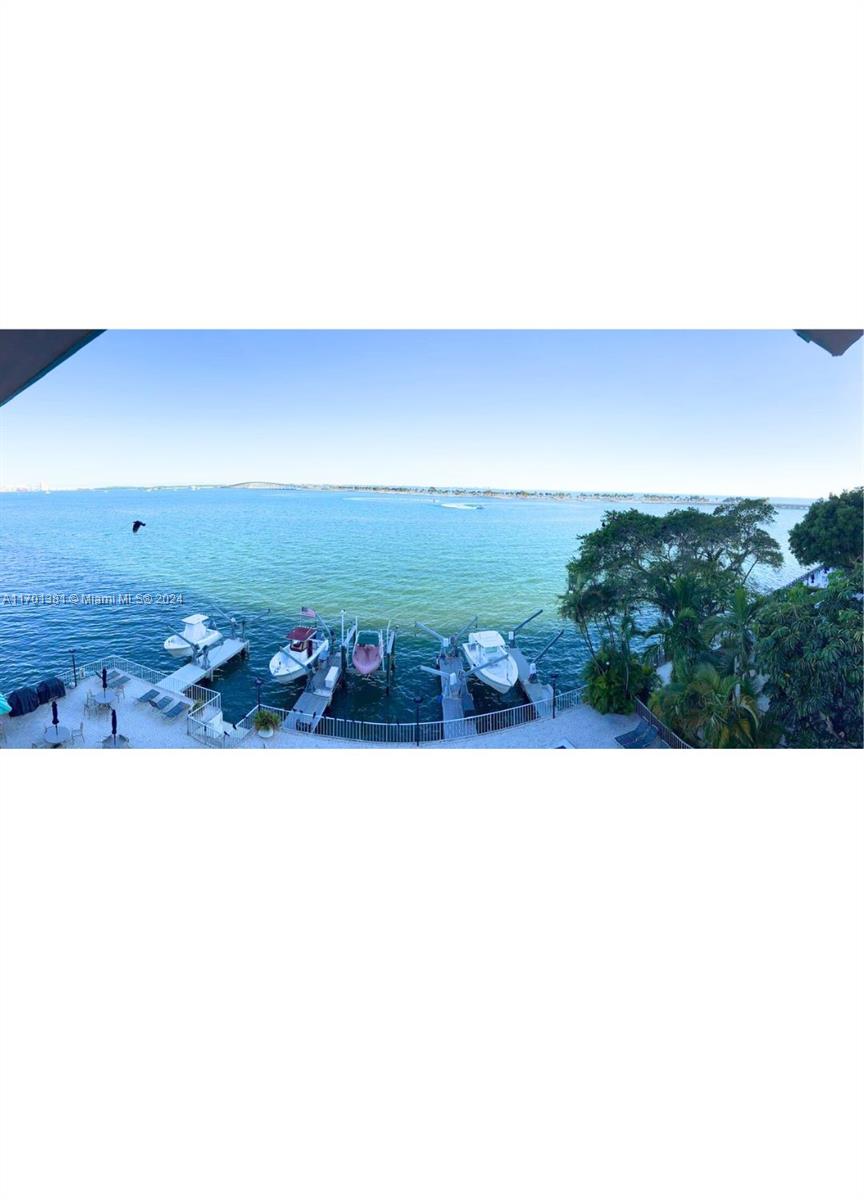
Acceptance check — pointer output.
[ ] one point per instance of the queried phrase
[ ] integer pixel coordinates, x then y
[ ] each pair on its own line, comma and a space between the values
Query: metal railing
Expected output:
669, 736
206, 704
413, 733
111, 662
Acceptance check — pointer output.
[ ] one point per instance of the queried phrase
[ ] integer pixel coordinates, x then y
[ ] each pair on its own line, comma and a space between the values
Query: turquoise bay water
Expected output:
376, 556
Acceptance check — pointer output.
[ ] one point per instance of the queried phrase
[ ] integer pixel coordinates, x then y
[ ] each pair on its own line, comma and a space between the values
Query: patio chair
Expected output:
148, 697
78, 734
162, 704
646, 737
633, 735
171, 713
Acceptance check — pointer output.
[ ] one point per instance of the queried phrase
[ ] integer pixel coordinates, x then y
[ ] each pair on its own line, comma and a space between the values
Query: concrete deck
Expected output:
142, 725
585, 728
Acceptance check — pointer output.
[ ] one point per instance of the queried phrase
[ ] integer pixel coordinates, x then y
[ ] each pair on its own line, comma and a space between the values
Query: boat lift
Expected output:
239, 621
384, 654
206, 660
327, 674
456, 699
534, 690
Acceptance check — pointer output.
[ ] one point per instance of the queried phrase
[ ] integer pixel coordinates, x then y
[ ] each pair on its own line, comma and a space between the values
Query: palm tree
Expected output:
680, 629
733, 631
714, 710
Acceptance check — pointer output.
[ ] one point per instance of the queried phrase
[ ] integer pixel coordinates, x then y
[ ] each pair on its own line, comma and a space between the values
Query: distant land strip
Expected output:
488, 493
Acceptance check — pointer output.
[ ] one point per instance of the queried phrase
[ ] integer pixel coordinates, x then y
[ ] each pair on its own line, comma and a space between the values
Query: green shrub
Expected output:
264, 719
616, 679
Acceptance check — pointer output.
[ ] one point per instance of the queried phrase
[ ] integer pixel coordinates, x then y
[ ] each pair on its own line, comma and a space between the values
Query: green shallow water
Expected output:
378, 557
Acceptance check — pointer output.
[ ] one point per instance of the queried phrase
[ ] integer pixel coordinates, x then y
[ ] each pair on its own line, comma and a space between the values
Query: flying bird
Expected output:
136, 525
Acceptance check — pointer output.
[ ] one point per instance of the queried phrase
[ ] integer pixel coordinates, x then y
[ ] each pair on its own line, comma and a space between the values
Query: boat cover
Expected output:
23, 700
300, 634
51, 688
4, 707
366, 659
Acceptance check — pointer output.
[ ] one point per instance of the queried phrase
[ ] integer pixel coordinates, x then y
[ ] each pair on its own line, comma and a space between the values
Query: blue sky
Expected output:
677, 411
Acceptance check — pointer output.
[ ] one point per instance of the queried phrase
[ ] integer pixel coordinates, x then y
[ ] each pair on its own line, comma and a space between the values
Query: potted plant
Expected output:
266, 722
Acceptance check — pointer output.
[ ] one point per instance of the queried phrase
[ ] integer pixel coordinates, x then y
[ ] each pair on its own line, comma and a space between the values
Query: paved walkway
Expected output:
581, 726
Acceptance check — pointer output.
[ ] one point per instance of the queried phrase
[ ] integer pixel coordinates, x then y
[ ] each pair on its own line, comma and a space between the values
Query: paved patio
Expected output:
142, 725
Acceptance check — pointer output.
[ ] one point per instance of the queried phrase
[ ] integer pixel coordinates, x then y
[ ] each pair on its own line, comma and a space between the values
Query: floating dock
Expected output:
204, 664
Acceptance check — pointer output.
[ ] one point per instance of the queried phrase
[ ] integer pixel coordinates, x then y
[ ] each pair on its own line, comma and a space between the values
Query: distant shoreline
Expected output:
396, 490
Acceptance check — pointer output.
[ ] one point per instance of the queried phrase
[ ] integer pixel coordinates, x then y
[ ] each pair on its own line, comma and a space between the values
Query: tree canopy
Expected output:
832, 532
640, 556
809, 644
747, 669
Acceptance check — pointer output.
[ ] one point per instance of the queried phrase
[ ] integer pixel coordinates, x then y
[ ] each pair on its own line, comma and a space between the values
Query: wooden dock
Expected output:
204, 665
534, 690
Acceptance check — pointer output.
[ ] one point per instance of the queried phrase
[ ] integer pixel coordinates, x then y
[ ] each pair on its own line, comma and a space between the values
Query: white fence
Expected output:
412, 733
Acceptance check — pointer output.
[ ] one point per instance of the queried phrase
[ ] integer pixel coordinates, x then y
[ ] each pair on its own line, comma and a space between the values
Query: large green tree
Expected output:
832, 532
677, 569
809, 644
643, 554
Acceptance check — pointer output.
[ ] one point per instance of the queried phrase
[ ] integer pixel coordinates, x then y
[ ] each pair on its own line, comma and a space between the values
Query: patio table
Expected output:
57, 735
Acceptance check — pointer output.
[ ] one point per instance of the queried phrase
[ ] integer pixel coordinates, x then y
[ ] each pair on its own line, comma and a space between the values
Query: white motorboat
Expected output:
196, 635
490, 660
305, 645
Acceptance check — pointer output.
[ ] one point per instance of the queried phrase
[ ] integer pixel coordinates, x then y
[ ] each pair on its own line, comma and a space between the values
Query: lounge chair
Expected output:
171, 713
644, 740
148, 696
633, 735
161, 704
115, 679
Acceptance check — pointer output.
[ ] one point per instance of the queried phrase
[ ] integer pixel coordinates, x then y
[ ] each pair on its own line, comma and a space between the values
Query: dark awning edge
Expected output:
835, 341
28, 354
